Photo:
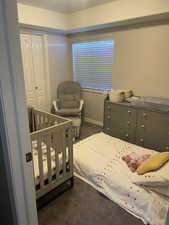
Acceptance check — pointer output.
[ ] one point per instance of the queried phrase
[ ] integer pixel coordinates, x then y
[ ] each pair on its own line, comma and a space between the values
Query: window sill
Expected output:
95, 91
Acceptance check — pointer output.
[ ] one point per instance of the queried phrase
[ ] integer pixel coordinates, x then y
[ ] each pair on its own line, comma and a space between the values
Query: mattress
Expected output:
97, 160
45, 163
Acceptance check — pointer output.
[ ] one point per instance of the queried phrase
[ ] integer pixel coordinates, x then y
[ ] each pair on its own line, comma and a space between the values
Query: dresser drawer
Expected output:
107, 118
122, 113
158, 145
123, 133
120, 121
107, 109
152, 130
143, 127
164, 147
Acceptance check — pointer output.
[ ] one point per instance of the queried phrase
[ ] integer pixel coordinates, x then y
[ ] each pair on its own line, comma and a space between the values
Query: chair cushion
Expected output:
68, 112
68, 101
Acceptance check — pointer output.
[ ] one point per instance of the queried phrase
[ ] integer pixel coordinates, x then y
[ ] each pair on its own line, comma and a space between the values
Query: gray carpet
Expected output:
88, 129
82, 205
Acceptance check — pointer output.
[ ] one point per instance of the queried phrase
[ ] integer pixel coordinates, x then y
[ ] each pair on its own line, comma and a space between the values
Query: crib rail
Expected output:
43, 119
52, 148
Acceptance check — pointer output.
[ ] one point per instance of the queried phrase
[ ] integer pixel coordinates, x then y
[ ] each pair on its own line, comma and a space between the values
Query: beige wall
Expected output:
140, 61
39, 17
59, 61
115, 12
118, 11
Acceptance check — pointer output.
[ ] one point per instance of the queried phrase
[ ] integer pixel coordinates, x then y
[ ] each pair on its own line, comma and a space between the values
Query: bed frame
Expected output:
56, 133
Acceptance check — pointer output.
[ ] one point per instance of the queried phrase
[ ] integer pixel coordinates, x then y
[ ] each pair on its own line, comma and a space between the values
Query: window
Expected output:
92, 64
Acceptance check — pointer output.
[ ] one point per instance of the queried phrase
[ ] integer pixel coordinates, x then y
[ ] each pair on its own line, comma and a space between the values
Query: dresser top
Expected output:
154, 107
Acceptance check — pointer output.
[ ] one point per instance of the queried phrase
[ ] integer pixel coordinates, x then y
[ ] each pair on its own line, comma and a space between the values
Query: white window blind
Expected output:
92, 64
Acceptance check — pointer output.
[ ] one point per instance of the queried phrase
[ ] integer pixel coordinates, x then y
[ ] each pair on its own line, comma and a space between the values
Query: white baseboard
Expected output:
99, 123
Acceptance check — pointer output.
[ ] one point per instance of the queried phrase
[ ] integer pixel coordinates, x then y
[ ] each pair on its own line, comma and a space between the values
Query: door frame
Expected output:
46, 59
15, 115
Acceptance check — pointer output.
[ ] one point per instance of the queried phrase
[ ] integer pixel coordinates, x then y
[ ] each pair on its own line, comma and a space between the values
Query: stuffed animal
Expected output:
131, 163
134, 163
142, 158
127, 158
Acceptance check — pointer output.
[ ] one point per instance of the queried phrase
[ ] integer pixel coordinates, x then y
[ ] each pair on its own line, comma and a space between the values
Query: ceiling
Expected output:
64, 6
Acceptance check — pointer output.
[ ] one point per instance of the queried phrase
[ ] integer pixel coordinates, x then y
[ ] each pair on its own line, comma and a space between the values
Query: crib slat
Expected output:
36, 120
41, 121
48, 144
63, 147
56, 141
70, 147
40, 162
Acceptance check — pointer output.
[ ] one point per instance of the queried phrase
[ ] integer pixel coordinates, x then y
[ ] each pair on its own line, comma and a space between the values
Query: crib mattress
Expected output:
97, 160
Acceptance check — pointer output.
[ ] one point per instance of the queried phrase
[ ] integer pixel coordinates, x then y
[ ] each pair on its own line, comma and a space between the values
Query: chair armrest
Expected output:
55, 106
81, 104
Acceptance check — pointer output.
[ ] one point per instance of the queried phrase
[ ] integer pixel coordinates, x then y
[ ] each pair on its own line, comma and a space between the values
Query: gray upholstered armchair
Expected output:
69, 103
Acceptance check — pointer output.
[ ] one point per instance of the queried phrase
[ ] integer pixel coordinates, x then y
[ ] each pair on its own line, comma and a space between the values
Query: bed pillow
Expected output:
155, 178
153, 163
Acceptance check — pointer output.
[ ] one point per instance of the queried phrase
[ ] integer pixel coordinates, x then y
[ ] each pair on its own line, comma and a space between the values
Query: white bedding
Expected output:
45, 163
97, 160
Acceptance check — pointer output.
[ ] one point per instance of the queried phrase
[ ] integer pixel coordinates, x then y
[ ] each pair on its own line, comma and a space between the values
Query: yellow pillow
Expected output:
153, 163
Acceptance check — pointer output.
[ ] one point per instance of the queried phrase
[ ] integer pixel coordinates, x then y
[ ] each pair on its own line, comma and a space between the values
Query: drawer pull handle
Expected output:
129, 112
127, 135
128, 122
108, 117
108, 129
141, 139
142, 126
144, 115
108, 107
167, 148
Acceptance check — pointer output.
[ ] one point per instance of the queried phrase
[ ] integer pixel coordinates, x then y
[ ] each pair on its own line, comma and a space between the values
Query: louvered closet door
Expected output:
27, 59
39, 72
34, 71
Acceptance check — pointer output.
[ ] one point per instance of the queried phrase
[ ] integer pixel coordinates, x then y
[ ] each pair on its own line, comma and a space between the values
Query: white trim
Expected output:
149, 20
15, 115
99, 123
40, 29
7, 157
95, 91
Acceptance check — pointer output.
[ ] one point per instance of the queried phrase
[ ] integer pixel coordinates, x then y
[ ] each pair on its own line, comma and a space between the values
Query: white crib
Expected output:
52, 150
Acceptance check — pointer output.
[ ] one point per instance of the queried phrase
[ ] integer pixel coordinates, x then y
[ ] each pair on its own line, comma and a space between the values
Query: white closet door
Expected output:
39, 72
33, 56
27, 58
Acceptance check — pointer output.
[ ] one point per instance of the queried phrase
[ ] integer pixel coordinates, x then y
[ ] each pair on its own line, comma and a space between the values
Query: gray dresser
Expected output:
145, 124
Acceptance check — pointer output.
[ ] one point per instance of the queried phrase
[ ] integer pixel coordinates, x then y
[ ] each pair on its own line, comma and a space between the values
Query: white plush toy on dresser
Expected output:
120, 95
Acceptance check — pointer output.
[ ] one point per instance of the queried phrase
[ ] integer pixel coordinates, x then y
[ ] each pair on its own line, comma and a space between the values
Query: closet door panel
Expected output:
39, 71
27, 59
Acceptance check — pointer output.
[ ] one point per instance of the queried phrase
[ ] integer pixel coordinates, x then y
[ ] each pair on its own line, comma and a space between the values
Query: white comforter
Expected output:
97, 160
